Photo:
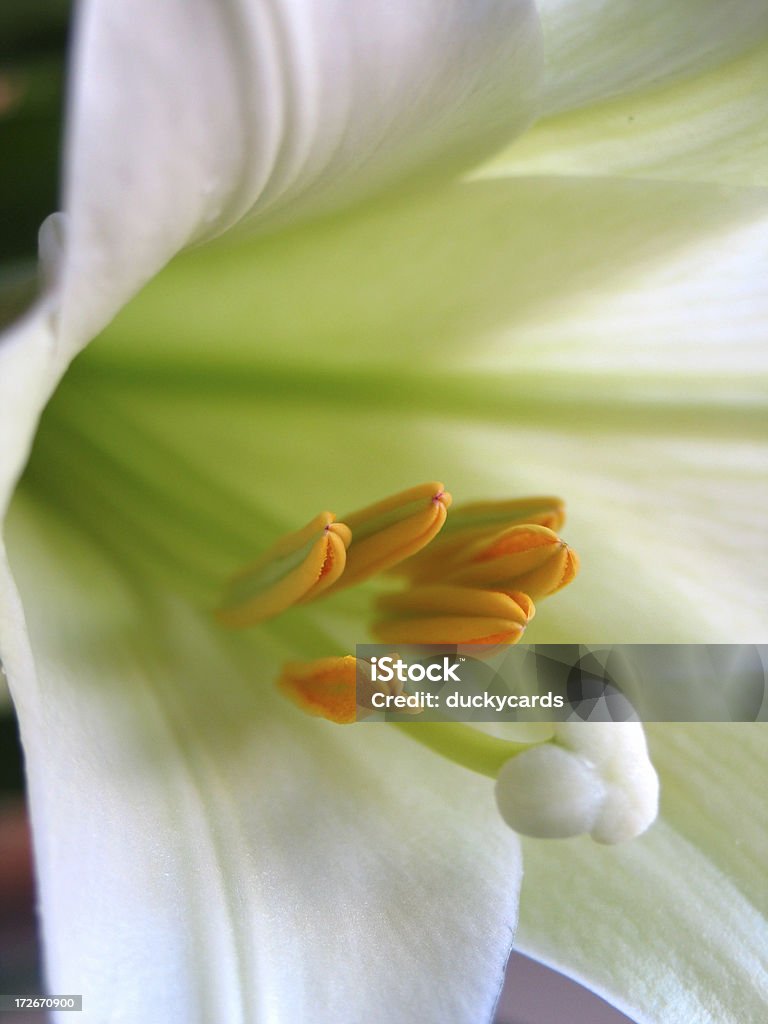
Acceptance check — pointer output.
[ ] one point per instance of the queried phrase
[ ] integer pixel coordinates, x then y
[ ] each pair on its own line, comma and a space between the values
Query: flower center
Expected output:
468, 578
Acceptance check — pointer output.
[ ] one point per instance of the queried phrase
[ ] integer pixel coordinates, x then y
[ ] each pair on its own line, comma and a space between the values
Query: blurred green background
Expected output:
33, 37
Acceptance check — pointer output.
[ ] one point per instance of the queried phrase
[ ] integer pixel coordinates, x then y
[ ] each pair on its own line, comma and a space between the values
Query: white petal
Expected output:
30, 368
709, 128
205, 852
187, 117
671, 928
595, 49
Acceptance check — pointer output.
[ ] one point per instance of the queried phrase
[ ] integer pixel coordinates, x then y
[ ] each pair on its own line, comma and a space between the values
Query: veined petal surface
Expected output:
707, 128
594, 50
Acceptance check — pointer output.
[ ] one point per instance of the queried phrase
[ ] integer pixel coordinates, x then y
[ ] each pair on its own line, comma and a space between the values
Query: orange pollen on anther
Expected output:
325, 687
328, 561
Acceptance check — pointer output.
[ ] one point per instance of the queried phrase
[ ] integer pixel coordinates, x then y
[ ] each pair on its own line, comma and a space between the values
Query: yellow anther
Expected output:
391, 530
338, 689
485, 519
446, 614
524, 602
530, 558
297, 568
325, 687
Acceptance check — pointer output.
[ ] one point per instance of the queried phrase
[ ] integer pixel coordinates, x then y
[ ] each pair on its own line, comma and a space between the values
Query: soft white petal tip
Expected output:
594, 778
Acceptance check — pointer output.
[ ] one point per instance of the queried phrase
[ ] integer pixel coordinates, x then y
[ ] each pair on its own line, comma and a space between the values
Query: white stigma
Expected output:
594, 777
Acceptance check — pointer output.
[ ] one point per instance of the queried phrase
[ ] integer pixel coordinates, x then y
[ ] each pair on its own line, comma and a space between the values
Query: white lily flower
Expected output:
204, 851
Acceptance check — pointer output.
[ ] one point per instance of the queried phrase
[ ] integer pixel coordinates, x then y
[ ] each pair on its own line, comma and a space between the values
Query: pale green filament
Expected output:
464, 745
